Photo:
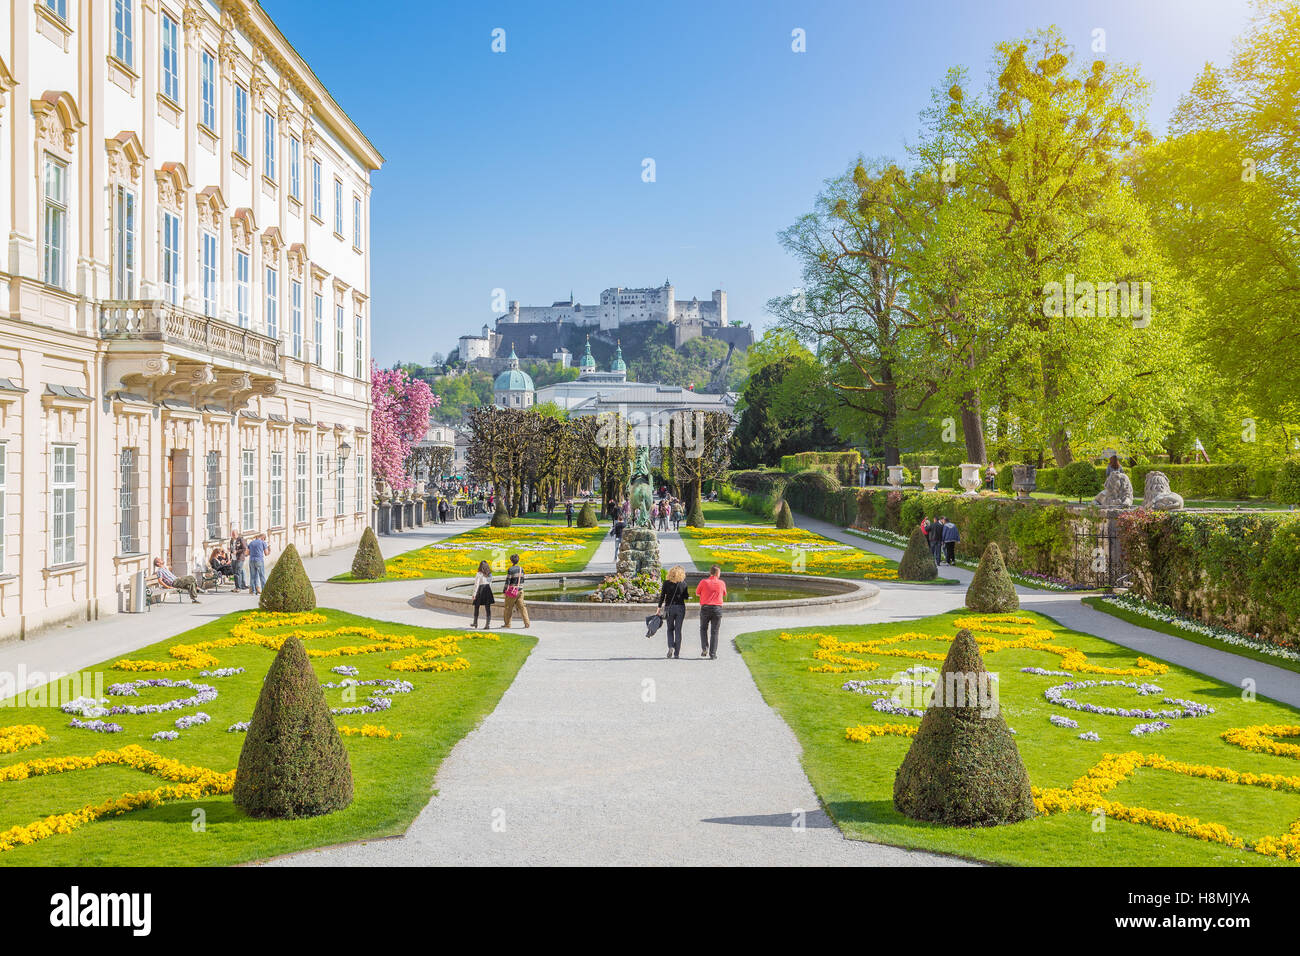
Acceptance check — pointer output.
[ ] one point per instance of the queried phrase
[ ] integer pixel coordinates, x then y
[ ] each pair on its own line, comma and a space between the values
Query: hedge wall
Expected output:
842, 464
1239, 571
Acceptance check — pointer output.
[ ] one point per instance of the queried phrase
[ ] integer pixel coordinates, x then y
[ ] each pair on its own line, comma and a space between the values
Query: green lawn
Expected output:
392, 777
719, 512
855, 780
1141, 620
542, 548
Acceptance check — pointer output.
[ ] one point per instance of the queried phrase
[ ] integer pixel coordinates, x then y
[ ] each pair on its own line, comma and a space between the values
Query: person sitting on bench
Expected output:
168, 580
220, 563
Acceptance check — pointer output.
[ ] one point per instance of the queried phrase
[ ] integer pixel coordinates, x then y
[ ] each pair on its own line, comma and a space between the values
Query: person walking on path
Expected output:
550, 506
990, 477
238, 553
711, 592
514, 594
617, 531
258, 549
672, 605
442, 509
664, 508
934, 537
677, 515
950, 538
568, 511
169, 580
483, 593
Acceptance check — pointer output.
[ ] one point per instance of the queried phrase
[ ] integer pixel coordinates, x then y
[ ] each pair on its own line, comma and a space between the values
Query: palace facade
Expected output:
185, 328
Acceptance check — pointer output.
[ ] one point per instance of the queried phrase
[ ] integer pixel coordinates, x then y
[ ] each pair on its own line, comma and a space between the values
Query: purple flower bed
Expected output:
98, 726
204, 694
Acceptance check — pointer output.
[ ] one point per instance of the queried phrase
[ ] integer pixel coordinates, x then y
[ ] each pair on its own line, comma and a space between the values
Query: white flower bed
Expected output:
1165, 615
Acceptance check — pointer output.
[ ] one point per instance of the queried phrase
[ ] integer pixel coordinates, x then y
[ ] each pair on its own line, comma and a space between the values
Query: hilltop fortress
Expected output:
546, 331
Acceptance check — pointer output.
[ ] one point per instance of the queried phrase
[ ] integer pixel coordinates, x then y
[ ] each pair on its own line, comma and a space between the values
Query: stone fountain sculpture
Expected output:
639, 551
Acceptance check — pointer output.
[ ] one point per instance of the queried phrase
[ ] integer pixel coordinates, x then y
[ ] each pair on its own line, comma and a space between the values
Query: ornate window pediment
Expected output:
126, 156
272, 242
297, 259
57, 119
6, 84
211, 204
242, 228
173, 181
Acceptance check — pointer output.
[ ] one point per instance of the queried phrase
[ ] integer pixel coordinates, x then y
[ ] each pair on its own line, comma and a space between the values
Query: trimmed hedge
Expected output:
757, 504
1286, 484
500, 517
1238, 571
587, 516
368, 562
917, 563
287, 587
843, 465
784, 518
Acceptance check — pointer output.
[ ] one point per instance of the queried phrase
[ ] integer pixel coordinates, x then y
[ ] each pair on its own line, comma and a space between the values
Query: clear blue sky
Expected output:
522, 170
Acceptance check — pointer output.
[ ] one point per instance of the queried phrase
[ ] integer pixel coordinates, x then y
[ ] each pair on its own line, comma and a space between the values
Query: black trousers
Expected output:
674, 614
710, 622
950, 551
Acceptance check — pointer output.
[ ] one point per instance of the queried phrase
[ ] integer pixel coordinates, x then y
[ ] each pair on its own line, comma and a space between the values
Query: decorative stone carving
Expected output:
172, 184
929, 477
210, 207
57, 120
970, 478
1156, 494
1024, 479
125, 156
1118, 493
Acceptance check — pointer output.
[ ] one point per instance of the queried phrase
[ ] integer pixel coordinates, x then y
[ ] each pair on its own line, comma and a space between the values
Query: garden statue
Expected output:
1157, 496
1118, 493
640, 493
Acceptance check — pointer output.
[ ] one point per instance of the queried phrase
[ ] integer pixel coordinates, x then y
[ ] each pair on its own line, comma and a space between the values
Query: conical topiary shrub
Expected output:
293, 763
917, 563
963, 768
587, 516
500, 517
991, 591
784, 518
368, 562
695, 517
287, 588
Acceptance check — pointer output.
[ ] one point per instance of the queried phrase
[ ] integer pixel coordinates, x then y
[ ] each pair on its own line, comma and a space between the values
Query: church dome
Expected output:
513, 380
588, 363
618, 364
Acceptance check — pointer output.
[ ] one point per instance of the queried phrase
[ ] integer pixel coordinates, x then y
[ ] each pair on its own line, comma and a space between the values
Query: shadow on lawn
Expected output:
814, 820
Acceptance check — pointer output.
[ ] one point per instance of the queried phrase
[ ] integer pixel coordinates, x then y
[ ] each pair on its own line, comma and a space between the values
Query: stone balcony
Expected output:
163, 352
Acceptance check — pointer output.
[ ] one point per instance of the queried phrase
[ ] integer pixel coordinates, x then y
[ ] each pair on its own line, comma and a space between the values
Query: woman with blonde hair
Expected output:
672, 605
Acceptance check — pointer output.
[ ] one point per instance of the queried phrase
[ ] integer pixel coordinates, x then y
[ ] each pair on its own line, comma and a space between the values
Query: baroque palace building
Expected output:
184, 342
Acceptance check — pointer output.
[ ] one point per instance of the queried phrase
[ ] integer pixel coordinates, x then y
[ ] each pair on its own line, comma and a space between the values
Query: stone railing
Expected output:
161, 321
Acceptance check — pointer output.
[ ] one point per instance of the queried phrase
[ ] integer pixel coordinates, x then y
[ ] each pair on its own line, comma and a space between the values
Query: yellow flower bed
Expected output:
369, 730
188, 783
541, 550
249, 632
864, 732
789, 551
1021, 633
1086, 794
1256, 738
20, 737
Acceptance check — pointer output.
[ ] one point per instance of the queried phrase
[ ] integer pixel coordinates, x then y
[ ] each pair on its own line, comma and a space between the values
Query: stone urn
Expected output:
1023, 480
970, 478
896, 475
419, 489
929, 477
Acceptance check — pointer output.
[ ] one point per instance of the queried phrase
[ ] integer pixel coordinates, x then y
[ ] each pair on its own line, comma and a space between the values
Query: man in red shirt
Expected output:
712, 591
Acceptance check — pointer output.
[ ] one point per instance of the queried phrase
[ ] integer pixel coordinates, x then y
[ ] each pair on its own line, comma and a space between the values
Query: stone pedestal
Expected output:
929, 477
384, 516
638, 553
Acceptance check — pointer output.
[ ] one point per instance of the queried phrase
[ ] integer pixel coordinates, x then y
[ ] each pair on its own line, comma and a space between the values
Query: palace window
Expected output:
56, 220
241, 121
63, 506
338, 339
242, 295
208, 90
361, 480
315, 188
209, 274
277, 489
272, 303
123, 30
4, 499
320, 486
212, 495
58, 7
295, 305
338, 207
171, 63
248, 489
295, 157
358, 357
171, 257
128, 494
340, 491
300, 495
124, 244
356, 222
318, 326
268, 145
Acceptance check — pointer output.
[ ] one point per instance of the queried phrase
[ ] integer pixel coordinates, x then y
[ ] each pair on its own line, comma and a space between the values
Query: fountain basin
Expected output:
796, 594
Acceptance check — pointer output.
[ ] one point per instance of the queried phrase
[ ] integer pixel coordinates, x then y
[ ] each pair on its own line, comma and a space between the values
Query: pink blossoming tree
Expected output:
399, 420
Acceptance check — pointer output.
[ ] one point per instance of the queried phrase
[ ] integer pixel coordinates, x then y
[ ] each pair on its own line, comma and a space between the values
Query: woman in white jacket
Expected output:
483, 593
